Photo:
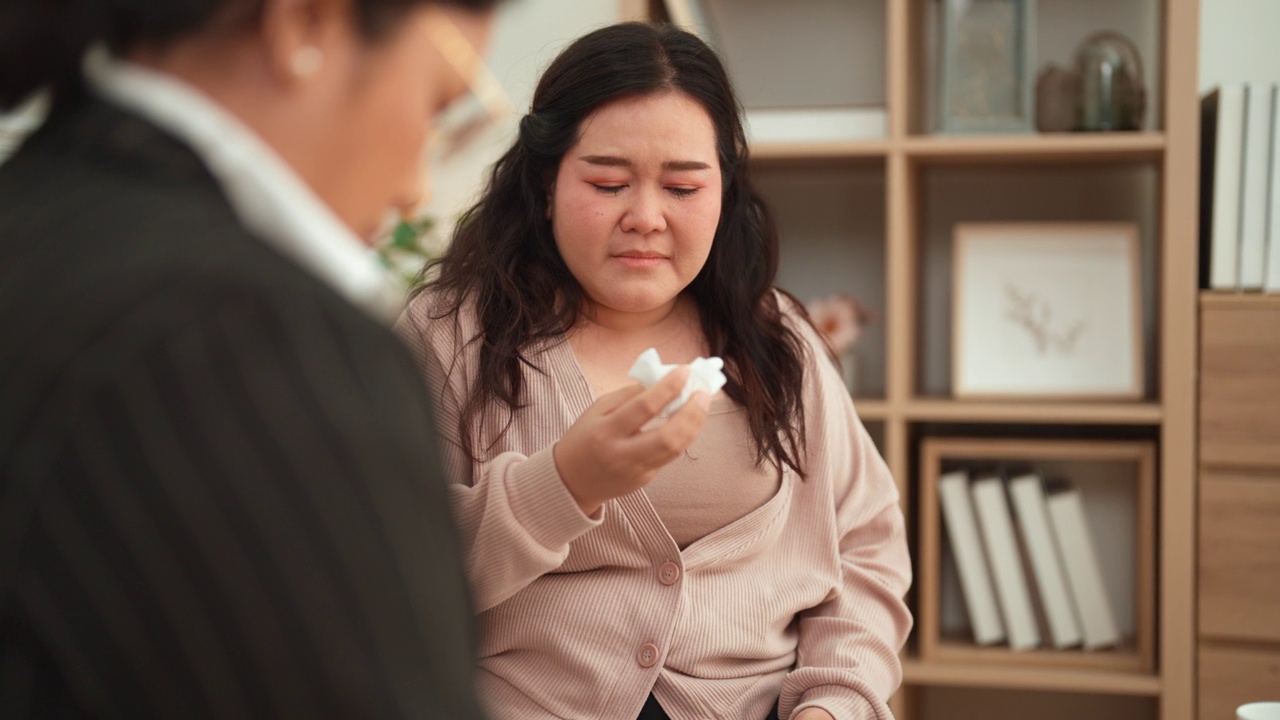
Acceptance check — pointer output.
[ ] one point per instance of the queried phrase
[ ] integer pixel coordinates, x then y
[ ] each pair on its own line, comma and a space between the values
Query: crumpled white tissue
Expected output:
704, 374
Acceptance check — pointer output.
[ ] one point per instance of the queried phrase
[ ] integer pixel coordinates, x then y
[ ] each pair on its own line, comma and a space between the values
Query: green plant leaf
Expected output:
405, 236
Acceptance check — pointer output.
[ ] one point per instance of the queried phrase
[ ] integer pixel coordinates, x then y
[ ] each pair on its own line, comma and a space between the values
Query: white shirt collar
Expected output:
270, 199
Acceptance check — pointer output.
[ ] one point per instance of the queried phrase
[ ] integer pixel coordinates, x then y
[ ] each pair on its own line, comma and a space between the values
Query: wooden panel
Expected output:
633, 10
950, 703
1240, 384
1066, 147
1231, 677
1109, 682
1085, 413
1240, 558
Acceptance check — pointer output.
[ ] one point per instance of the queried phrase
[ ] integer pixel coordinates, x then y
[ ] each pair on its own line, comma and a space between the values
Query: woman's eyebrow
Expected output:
613, 161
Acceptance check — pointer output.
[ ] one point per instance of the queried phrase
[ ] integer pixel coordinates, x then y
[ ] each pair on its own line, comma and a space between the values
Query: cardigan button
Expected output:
648, 655
668, 573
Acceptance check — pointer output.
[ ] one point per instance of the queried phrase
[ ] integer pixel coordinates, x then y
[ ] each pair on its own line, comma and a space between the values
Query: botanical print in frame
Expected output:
987, 54
1047, 310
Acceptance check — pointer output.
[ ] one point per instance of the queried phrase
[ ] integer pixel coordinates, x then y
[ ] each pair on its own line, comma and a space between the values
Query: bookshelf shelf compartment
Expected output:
1115, 486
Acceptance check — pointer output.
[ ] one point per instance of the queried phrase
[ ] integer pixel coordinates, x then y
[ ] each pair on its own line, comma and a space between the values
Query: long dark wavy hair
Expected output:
503, 255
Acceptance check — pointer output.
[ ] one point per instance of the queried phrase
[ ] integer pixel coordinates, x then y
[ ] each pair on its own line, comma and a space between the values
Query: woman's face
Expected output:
383, 112
636, 202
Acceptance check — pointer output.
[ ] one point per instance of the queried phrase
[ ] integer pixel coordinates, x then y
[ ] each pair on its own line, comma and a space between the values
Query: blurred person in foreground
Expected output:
755, 572
219, 490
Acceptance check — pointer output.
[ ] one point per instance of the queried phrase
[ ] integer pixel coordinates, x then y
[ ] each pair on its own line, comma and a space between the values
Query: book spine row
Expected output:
1240, 188
1026, 560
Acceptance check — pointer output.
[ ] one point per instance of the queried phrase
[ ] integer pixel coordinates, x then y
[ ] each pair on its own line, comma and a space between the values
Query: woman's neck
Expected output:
607, 344
608, 321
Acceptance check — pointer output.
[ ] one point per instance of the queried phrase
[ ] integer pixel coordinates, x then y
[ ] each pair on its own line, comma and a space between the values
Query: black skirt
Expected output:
653, 711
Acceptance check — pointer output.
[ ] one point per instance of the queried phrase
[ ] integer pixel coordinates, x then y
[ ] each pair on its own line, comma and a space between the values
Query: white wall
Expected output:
1238, 41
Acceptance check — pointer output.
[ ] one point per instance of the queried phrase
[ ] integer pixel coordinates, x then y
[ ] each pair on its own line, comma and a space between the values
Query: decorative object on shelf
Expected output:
1047, 311
841, 319
1112, 94
1057, 99
406, 247
986, 65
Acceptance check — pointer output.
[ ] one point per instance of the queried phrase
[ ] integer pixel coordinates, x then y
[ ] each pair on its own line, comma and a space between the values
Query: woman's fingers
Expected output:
654, 448
629, 417
608, 452
609, 402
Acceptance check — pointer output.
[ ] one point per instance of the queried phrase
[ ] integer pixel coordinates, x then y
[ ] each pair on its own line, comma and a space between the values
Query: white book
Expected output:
992, 506
1253, 191
1028, 496
1271, 283
816, 124
966, 546
1080, 559
1222, 155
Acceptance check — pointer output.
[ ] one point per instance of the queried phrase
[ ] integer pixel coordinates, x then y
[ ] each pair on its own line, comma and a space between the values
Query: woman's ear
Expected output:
551, 199
299, 34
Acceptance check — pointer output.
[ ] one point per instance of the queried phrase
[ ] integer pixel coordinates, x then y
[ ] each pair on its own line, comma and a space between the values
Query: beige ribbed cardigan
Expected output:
800, 600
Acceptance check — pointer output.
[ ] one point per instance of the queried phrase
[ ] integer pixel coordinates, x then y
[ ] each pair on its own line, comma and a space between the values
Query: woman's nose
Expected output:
645, 214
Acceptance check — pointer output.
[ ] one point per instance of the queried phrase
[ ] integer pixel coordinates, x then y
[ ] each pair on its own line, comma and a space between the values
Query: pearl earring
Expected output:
306, 62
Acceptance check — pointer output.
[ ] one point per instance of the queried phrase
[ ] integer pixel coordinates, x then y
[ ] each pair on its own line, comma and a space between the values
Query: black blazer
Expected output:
219, 488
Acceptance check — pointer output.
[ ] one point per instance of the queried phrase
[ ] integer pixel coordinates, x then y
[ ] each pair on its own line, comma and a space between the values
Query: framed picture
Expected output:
987, 54
1047, 311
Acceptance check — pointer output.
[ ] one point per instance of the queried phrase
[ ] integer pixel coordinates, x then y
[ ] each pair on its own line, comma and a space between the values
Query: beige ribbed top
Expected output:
798, 598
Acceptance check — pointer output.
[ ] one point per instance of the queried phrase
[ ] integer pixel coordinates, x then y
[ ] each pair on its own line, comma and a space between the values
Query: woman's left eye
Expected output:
608, 189
682, 192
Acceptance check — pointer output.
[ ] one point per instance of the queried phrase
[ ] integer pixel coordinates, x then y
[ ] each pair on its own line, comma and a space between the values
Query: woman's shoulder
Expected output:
439, 319
797, 318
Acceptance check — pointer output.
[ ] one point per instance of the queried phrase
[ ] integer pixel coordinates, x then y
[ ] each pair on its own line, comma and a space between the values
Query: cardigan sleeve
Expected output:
515, 516
847, 661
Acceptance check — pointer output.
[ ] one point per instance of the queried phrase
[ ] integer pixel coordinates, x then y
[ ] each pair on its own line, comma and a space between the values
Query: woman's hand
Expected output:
606, 454
813, 714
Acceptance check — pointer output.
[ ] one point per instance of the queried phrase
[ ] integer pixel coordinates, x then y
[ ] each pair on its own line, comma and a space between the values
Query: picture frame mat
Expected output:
1127, 375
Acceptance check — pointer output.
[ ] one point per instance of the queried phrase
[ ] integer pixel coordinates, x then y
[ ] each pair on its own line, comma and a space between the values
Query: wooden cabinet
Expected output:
874, 217
1231, 677
1240, 383
1238, 563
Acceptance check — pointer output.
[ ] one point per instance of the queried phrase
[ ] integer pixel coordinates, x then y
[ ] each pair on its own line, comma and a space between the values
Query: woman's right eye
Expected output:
608, 189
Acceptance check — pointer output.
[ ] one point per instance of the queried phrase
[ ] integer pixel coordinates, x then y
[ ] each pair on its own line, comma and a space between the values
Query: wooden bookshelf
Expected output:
1034, 678
946, 410
1077, 147
822, 151
902, 185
